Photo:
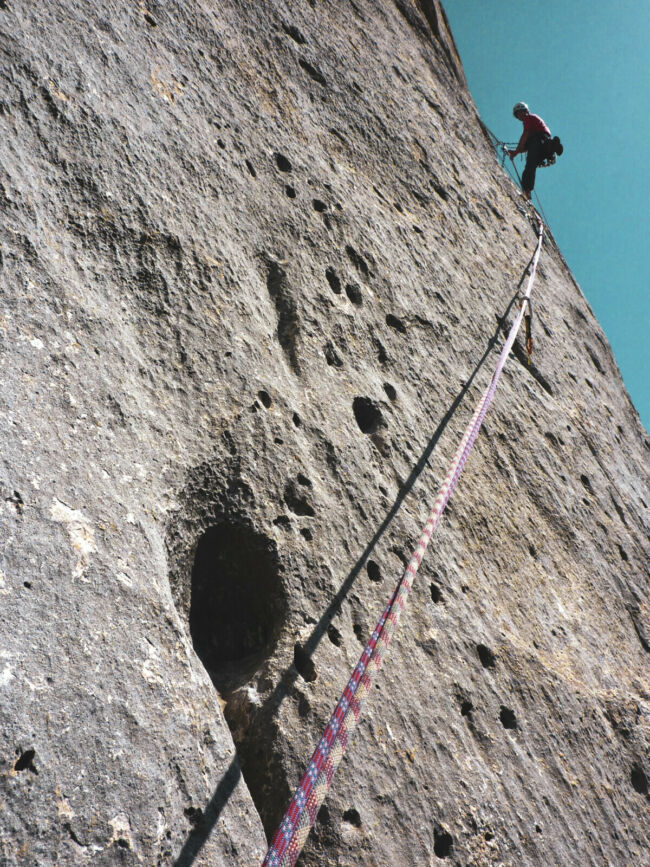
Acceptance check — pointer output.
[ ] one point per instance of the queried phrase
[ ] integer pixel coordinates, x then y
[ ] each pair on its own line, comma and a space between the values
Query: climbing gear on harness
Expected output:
501, 145
553, 146
301, 813
502, 148
528, 318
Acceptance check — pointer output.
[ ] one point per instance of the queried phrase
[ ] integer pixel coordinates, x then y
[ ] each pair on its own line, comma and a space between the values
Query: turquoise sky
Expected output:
585, 68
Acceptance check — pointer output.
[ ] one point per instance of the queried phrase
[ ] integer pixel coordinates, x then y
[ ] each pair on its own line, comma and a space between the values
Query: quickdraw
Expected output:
528, 318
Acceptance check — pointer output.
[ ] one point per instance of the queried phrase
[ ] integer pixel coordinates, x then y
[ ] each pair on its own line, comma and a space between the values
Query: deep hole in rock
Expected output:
237, 603
373, 571
360, 633
368, 415
639, 780
508, 718
353, 817
334, 635
290, 191
391, 393
397, 324
436, 593
25, 762
227, 581
486, 656
304, 663
251, 169
265, 397
466, 708
283, 163
354, 294
333, 280
443, 843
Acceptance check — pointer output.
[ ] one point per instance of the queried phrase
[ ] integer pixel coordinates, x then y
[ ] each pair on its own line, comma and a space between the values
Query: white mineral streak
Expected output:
81, 533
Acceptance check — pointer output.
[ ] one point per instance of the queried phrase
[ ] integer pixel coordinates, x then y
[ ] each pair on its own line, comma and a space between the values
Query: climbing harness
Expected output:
301, 813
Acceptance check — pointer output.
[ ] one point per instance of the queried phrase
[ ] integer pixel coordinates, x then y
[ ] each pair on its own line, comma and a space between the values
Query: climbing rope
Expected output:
301, 813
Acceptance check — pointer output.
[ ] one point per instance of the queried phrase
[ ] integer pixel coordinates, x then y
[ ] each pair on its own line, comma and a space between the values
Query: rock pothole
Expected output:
443, 843
304, 664
334, 635
236, 602
352, 817
283, 163
486, 656
639, 780
353, 291
25, 761
333, 280
227, 583
395, 323
368, 415
374, 572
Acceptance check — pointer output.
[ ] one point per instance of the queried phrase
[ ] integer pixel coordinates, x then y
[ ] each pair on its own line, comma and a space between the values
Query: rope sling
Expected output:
303, 808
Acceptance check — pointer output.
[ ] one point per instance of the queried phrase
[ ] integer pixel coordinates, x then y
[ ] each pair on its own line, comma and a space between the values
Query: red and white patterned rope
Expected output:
301, 813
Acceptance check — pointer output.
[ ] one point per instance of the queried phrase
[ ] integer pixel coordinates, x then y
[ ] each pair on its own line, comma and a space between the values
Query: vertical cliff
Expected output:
256, 260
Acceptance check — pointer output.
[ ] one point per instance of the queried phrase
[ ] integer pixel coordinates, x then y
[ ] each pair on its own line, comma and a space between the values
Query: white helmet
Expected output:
519, 106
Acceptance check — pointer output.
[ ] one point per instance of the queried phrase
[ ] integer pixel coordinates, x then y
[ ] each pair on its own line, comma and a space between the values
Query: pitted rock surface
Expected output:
256, 263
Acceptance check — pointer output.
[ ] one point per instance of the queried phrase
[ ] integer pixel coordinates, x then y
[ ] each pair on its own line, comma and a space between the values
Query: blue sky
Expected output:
585, 68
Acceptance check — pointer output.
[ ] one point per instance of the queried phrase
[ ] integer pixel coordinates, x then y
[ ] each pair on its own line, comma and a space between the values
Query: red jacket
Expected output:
534, 123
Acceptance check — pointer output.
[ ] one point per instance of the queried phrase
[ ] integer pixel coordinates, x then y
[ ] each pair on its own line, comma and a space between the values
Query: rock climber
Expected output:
536, 142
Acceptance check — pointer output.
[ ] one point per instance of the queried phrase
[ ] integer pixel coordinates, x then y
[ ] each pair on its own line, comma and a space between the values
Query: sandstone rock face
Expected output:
256, 261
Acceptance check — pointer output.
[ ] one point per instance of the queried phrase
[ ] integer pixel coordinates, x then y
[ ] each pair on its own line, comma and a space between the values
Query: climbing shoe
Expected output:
557, 146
